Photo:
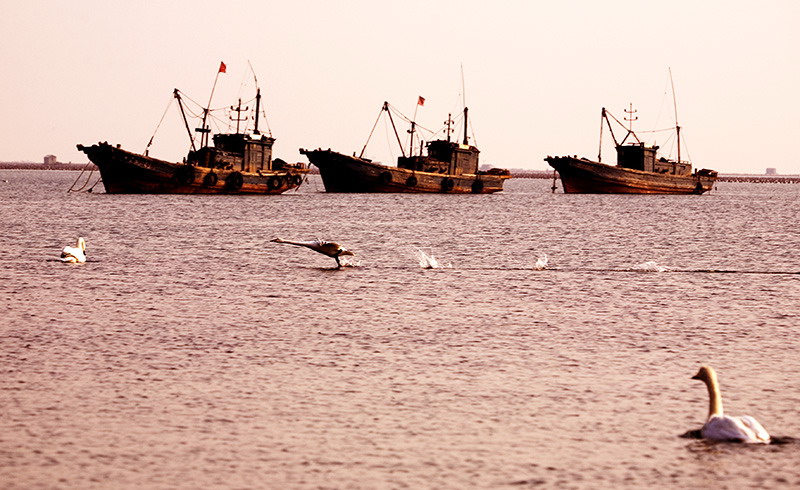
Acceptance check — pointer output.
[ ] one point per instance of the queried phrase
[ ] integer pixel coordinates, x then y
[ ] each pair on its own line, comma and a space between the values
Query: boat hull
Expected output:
125, 172
344, 173
582, 176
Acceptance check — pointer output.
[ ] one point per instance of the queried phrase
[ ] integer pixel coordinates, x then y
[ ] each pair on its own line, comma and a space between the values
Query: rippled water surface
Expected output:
191, 352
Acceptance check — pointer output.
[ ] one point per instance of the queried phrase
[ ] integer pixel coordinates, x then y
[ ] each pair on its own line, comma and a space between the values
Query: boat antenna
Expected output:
255, 78
238, 118
463, 87
204, 129
449, 124
630, 117
675, 106
258, 97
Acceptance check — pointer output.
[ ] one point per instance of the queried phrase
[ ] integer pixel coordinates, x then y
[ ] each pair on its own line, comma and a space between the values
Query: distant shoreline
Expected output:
49, 166
517, 174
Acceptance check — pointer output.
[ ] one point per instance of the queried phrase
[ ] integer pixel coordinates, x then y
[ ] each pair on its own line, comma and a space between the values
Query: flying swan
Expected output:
331, 249
76, 254
720, 427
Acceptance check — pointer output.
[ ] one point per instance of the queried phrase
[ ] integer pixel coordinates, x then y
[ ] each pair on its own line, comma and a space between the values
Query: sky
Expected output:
534, 75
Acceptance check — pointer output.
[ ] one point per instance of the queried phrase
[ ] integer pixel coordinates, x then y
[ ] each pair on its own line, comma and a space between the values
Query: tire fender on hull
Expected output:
234, 181
210, 180
274, 182
447, 184
184, 175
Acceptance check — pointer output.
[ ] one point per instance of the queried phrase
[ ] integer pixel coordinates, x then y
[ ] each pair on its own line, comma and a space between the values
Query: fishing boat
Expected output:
239, 162
639, 170
448, 167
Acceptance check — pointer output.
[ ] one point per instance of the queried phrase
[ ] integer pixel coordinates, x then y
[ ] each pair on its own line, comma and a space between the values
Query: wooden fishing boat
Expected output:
448, 167
638, 170
236, 163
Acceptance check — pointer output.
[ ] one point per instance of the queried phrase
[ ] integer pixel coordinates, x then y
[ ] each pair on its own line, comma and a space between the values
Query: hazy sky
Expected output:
536, 74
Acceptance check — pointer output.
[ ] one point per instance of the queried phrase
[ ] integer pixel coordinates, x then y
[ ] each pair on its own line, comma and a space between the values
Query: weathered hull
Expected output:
581, 176
344, 173
124, 172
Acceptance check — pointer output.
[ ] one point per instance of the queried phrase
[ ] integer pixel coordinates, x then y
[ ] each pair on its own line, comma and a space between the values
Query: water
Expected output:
190, 352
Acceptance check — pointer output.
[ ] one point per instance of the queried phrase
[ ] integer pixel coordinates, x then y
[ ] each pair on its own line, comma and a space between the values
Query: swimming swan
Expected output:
722, 427
76, 254
331, 249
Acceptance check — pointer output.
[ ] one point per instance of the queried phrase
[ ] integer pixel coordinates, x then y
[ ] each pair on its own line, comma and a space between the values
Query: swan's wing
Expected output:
725, 428
752, 424
310, 244
69, 254
328, 248
73, 254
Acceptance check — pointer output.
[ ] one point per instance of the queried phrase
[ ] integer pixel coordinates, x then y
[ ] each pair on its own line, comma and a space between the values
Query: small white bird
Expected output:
331, 249
76, 254
721, 427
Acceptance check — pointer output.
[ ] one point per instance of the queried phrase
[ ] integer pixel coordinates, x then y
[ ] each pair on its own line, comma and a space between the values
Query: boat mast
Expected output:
449, 123
258, 109
466, 125
385, 108
600, 149
394, 128
411, 143
177, 95
675, 105
205, 130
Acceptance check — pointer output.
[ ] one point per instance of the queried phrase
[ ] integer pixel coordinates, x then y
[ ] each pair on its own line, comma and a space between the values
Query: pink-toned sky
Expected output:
536, 74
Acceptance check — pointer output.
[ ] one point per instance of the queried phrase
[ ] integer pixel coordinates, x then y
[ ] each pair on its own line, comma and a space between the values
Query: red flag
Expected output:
222, 67
421, 100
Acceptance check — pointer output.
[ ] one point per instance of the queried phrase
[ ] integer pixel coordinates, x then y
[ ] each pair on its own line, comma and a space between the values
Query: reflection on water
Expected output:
189, 353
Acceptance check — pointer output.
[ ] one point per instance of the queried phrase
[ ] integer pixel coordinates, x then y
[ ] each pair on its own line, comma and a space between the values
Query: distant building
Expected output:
772, 171
50, 159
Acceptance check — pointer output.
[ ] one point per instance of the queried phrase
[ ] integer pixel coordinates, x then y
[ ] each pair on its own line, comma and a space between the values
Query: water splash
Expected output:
541, 262
349, 261
428, 261
650, 266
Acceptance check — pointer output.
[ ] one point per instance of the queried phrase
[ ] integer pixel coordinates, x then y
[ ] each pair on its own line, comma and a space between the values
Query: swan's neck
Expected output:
714, 398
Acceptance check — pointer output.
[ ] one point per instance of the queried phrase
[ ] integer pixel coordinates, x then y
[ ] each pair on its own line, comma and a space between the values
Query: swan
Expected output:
331, 249
721, 427
76, 254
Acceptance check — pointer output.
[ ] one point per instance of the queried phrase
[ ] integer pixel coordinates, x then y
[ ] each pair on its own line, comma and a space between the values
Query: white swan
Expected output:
331, 249
721, 427
76, 254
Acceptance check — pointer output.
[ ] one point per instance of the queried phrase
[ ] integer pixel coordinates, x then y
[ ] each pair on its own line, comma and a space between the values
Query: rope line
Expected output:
88, 177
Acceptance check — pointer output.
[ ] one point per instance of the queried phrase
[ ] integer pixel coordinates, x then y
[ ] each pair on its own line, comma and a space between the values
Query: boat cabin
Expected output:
242, 152
641, 157
444, 157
